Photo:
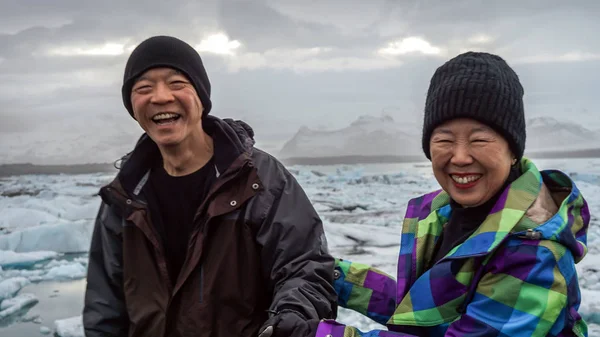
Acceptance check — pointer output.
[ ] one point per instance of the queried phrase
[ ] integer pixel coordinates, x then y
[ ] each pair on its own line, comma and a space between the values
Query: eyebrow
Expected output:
480, 129
443, 131
172, 72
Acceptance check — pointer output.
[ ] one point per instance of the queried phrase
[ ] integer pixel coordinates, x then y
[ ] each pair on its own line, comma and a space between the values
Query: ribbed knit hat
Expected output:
480, 86
166, 51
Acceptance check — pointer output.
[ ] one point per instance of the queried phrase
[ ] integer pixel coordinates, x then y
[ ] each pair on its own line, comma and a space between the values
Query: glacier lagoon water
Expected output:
46, 224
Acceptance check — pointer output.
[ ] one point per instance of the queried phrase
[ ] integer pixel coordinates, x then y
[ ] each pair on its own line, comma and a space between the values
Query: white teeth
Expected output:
465, 180
164, 116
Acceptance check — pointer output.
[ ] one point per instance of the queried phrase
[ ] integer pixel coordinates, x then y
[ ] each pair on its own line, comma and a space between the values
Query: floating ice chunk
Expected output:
35, 318
70, 237
56, 263
585, 177
44, 330
70, 327
593, 330
358, 320
12, 305
590, 305
346, 173
82, 260
16, 216
32, 275
11, 302
70, 271
24, 260
588, 272
11, 286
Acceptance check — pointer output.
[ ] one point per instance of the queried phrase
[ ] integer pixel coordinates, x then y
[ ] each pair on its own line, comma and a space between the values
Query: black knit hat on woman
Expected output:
166, 51
479, 86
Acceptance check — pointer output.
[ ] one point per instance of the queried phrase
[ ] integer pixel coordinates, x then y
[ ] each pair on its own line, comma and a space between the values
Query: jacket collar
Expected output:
232, 139
509, 209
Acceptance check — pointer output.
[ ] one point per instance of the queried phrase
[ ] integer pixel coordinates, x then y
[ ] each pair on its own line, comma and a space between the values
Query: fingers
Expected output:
267, 332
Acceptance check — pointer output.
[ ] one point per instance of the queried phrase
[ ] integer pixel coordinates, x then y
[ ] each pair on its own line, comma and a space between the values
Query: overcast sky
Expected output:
278, 64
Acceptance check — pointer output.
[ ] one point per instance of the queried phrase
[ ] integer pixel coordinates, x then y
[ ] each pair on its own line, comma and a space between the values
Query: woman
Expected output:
491, 254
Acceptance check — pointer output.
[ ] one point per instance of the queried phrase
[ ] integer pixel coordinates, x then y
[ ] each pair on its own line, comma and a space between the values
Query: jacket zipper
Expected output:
205, 219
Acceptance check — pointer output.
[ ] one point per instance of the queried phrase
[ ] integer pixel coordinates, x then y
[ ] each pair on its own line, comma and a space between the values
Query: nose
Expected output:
162, 94
461, 155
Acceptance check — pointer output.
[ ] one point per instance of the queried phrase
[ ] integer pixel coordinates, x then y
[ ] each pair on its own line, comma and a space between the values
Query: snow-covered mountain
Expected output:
377, 136
367, 135
546, 133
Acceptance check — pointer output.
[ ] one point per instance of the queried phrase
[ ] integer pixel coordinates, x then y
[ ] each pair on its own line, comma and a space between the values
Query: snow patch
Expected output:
366, 136
373, 136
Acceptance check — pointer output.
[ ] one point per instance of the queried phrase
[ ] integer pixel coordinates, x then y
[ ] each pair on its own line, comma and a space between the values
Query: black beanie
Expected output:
480, 86
166, 51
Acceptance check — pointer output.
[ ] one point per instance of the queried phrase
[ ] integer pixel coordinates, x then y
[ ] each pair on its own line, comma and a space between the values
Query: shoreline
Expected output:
7, 170
391, 159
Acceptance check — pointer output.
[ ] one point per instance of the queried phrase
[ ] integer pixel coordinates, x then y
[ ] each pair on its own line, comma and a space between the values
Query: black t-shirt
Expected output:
175, 201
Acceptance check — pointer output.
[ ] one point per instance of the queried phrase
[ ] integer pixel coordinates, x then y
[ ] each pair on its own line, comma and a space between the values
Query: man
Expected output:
200, 233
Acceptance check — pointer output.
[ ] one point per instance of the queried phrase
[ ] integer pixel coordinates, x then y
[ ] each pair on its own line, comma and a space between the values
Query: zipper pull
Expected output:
533, 235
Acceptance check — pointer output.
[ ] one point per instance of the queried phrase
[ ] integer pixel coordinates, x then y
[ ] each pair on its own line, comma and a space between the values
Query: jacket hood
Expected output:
560, 213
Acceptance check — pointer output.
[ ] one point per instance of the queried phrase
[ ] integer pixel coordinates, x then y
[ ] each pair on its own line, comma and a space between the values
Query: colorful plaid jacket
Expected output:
515, 276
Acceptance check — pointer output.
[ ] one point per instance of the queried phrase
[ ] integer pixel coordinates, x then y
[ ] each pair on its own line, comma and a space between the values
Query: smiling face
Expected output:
470, 160
166, 106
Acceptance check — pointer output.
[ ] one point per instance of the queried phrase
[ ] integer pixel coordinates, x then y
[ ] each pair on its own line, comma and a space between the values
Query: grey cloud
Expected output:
429, 12
99, 22
60, 95
262, 27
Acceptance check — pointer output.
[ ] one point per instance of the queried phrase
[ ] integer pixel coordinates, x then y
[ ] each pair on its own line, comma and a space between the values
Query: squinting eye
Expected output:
142, 88
178, 84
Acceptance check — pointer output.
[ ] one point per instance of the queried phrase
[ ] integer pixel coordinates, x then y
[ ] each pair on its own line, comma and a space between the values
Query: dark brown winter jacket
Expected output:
257, 249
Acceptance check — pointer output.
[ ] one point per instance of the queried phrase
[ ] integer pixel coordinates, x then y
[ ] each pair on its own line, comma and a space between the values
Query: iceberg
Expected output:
10, 287
70, 271
13, 305
67, 237
13, 259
